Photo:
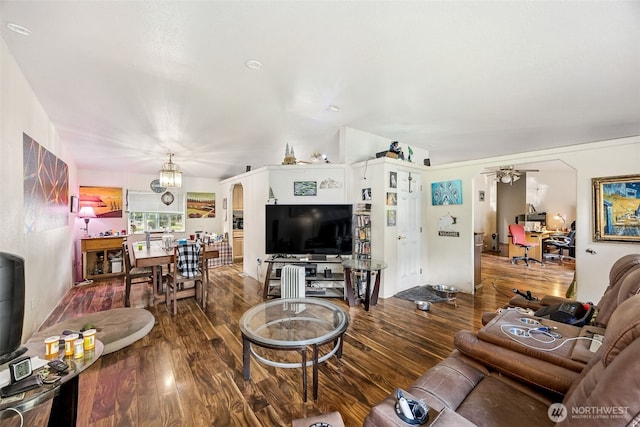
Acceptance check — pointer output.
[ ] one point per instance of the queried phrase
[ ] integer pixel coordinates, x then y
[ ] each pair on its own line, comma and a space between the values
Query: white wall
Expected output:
47, 254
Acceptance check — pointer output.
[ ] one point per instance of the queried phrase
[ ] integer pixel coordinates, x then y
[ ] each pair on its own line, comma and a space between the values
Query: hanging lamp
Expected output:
170, 174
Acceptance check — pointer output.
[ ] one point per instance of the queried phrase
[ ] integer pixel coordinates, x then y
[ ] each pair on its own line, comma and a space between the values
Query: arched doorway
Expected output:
237, 222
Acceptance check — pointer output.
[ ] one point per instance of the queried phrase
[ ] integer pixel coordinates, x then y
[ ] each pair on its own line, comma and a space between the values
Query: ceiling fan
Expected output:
509, 174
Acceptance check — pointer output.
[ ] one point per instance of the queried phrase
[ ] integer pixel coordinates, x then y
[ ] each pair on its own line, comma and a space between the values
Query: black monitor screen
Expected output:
308, 229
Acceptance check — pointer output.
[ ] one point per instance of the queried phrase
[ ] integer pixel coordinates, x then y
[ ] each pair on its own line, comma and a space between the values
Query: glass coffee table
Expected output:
294, 324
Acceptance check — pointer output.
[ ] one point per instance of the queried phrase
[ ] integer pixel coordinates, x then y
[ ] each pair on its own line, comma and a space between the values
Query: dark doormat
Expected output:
420, 293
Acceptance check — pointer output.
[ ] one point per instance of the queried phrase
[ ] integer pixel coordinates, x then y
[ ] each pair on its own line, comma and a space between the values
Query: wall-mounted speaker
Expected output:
427, 162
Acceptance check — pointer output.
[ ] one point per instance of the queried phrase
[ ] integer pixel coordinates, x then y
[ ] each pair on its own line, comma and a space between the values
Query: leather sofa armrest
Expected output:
553, 300
539, 373
518, 301
444, 386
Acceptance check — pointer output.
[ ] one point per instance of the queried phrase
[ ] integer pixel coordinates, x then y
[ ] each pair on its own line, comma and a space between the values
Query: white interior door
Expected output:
409, 230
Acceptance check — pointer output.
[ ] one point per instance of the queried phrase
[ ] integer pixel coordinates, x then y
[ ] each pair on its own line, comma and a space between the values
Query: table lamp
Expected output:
86, 212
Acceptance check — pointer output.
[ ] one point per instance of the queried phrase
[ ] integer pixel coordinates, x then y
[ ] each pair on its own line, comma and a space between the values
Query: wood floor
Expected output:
188, 370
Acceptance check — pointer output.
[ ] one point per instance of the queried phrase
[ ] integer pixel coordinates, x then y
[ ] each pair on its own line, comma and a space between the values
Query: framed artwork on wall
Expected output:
391, 217
393, 180
446, 193
616, 208
75, 204
201, 205
305, 188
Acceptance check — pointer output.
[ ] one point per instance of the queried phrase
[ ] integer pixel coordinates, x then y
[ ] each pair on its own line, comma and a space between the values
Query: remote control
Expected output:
58, 365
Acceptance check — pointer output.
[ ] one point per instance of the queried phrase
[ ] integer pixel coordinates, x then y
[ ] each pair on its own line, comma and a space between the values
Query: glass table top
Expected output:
364, 264
294, 322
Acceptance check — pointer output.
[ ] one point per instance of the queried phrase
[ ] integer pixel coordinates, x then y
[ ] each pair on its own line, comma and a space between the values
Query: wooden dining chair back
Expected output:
188, 267
133, 273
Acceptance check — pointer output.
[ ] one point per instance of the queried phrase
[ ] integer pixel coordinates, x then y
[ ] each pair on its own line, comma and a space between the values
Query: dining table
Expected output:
155, 256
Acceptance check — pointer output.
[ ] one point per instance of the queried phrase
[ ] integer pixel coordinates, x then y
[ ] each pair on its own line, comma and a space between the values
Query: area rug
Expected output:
420, 293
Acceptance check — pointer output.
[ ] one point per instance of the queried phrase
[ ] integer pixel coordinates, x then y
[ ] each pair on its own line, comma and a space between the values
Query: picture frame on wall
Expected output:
74, 204
446, 192
305, 188
391, 217
366, 193
393, 180
392, 199
616, 208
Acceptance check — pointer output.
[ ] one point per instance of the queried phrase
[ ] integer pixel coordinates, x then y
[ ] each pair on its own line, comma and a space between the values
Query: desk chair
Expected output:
519, 239
562, 243
188, 267
133, 273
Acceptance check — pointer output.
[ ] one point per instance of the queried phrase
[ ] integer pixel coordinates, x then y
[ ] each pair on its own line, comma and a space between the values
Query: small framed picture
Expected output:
393, 180
305, 188
481, 196
391, 218
366, 194
392, 199
74, 204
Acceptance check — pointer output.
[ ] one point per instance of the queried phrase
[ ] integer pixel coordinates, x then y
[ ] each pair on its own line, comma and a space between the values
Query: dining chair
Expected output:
188, 267
133, 273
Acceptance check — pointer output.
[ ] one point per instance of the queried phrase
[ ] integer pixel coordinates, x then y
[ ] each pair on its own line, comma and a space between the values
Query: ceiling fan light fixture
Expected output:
170, 174
505, 179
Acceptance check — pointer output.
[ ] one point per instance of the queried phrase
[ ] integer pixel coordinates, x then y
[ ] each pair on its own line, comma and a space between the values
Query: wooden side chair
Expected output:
188, 267
133, 273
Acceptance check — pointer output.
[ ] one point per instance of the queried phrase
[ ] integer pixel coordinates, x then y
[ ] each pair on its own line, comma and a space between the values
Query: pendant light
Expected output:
170, 174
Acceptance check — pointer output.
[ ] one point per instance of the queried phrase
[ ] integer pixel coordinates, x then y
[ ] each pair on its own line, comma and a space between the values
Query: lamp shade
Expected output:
87, 212
170, 174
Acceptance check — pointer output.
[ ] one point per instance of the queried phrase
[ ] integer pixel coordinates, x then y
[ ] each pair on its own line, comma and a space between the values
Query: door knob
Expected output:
401, 237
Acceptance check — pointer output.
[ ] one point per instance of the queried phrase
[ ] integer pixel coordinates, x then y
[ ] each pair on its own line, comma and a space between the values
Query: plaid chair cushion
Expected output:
188, 260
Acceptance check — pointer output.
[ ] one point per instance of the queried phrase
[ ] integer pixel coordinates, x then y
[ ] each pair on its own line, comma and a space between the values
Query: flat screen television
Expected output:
12, 296
308, 229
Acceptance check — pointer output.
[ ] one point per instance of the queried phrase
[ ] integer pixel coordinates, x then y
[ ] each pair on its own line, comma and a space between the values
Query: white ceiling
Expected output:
130, 81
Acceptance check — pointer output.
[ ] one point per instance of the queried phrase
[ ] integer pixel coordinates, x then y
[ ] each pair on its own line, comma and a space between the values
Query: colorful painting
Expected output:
616, 212
201, 205
105, 201
392, 199
305, 188
46, 188
446, 193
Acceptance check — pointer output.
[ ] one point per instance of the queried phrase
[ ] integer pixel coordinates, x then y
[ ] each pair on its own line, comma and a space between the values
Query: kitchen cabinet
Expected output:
102, 257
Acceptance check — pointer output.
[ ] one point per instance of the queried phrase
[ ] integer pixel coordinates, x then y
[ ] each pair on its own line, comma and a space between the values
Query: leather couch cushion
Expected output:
498, 401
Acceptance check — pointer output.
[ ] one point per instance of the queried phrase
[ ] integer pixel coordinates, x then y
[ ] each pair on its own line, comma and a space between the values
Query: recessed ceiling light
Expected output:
18, 29
253, 64
334, 108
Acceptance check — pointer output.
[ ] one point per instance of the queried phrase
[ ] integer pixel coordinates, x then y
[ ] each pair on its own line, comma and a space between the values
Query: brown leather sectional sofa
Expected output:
510, 372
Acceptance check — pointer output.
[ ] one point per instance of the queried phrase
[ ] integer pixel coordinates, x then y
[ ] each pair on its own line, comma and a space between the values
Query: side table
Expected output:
64, 409
366, 266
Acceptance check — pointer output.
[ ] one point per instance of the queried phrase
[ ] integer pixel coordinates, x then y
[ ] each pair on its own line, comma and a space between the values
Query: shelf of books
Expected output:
362, 231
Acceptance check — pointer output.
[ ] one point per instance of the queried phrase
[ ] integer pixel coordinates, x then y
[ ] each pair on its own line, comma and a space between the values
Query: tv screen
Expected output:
308, 229
12, 296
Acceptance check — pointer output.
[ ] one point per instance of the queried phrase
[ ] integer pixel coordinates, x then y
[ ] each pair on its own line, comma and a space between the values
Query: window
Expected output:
147, 212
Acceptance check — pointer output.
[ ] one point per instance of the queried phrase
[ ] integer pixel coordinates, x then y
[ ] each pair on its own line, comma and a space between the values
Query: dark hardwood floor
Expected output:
188, 370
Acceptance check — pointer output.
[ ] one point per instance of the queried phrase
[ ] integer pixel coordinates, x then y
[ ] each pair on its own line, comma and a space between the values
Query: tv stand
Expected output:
324, 277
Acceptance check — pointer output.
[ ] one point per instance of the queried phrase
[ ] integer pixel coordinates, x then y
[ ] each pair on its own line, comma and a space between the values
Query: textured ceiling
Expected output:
125, 82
